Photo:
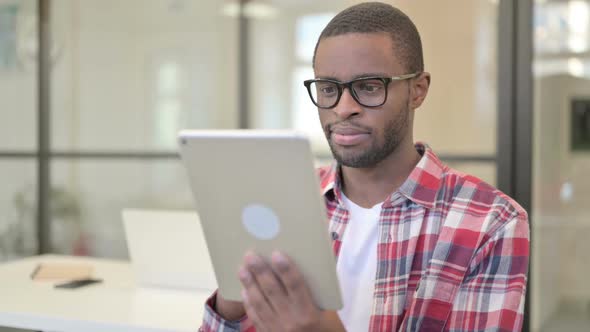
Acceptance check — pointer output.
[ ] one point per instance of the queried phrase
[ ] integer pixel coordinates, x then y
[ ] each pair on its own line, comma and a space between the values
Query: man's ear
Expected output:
419, 89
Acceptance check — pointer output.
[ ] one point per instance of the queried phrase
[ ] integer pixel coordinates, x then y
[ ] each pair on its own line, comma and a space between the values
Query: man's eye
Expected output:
369, 87
328, 90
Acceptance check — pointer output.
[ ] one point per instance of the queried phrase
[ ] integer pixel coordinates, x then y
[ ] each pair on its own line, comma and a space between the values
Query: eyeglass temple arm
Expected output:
405, 77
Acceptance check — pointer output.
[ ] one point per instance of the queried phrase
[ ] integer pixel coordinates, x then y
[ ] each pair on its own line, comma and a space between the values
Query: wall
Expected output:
459, 44
561, 225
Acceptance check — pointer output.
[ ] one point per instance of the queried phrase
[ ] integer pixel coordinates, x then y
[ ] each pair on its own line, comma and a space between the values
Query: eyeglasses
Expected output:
367, 91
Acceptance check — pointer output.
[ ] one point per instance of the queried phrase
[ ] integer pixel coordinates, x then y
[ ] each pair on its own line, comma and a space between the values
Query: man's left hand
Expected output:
277, 298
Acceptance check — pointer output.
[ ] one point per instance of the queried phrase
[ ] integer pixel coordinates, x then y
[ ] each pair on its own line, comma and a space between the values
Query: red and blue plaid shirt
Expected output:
452, 255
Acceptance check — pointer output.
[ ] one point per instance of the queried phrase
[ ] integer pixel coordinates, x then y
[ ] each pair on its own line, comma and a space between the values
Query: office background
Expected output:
92, 94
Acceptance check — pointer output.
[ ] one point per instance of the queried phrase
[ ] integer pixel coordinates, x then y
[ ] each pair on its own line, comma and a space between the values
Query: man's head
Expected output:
377, 17
370, 40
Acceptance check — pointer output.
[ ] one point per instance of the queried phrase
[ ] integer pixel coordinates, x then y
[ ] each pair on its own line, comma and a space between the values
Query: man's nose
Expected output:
347, 106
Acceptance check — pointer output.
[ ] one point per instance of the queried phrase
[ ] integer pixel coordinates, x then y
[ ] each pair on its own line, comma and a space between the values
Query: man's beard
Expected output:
394, 134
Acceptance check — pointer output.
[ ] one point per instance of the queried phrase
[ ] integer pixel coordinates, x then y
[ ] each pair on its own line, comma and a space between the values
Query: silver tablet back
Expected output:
258, 190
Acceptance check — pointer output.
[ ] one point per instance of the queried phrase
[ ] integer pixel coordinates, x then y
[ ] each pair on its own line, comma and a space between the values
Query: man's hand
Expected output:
229, 310
277, 298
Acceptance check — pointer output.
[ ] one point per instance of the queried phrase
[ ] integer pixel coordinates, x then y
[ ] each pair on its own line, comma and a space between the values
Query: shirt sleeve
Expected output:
492, 295
213, 322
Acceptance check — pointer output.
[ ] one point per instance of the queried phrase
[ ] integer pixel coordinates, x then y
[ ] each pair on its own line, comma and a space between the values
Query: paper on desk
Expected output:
61, 271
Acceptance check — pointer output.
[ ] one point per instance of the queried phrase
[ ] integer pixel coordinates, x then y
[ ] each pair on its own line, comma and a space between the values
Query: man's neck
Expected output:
369, 186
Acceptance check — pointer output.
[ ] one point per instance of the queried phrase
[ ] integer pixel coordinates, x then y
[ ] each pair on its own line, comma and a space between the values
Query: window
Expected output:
304, 114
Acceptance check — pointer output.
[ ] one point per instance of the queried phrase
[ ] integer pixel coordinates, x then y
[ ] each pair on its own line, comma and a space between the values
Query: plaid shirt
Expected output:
452, 255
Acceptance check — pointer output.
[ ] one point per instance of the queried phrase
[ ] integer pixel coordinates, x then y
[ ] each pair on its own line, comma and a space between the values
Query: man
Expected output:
420, 247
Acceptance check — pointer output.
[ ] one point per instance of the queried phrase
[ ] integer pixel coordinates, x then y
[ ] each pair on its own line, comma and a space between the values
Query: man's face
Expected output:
361, 136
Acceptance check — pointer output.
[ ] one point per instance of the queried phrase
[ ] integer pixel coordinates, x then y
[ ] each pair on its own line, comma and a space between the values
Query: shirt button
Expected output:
334, 236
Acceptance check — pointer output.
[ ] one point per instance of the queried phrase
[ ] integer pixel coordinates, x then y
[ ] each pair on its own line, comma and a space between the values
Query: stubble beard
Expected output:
394, 134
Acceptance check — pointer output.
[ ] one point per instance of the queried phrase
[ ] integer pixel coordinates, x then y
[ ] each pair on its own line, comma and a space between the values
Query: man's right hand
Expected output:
229, 310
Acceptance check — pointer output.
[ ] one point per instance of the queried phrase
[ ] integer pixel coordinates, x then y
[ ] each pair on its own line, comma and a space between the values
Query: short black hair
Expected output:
377, 17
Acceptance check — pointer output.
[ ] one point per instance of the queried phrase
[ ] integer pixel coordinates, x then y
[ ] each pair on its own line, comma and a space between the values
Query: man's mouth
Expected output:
348, 136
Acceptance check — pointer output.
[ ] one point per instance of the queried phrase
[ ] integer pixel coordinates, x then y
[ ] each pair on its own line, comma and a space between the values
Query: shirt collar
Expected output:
421, 186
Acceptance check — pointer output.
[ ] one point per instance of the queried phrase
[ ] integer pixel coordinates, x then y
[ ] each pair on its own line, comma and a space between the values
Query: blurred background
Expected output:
90, 127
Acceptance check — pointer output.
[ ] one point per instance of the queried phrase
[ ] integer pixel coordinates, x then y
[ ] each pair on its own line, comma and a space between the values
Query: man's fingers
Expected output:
268, 282
256, 306
276, 295
253, 315
292, 279
250, 311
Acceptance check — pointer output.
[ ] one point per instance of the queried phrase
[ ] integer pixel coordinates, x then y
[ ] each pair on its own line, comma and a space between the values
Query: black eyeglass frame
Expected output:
342, 85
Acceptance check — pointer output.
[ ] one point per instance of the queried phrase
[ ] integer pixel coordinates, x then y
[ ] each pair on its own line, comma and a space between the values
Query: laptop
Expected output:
258, 190
168, 250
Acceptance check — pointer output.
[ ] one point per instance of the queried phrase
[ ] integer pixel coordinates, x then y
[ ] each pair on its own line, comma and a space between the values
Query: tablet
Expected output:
258, 190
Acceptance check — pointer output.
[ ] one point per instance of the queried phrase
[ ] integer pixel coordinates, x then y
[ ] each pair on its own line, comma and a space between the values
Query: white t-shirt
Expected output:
357, 265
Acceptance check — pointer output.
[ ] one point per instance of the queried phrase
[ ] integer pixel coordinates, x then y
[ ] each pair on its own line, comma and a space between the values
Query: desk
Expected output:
115, 305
